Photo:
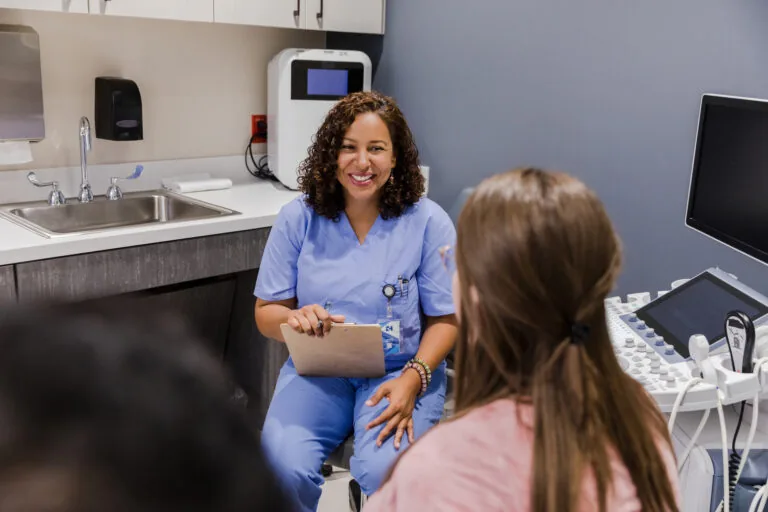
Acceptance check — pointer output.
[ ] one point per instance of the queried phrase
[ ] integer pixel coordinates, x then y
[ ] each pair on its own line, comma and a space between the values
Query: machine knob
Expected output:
629, 342
669, 351
641, 298
659, 342
663, 371
654, 356
655, 365
632, 318
641, 326
650, 334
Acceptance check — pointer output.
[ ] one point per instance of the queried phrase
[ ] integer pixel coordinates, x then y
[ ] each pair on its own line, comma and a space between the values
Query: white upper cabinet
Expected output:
268, 13
363, 16
80, 6
360, 16
184, 10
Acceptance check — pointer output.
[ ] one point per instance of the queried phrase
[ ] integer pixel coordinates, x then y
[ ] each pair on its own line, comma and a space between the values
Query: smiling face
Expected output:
366, 158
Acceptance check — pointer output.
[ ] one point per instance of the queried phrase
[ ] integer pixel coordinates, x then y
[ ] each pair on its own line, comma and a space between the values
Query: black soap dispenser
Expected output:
118, 109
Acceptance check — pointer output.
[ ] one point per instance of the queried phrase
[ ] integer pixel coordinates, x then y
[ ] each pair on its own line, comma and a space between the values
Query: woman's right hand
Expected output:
313, 320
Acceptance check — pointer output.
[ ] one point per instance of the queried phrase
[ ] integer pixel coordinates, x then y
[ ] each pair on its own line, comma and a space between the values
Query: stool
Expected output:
341, 455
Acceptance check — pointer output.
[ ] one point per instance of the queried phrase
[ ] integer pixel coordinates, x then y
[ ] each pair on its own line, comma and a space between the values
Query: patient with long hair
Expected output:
546, 419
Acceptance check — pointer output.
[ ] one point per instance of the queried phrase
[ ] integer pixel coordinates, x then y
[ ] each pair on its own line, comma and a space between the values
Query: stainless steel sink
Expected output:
134, 209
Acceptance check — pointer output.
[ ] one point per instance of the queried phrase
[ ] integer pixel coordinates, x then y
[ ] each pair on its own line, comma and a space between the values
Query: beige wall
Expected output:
200, 82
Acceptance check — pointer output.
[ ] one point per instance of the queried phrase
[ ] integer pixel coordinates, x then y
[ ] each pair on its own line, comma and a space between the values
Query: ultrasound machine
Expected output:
702, 346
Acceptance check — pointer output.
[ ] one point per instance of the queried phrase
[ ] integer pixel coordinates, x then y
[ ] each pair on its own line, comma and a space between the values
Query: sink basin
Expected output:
134, 209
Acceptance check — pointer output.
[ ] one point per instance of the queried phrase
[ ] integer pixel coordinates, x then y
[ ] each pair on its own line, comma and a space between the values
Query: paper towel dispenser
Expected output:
21, 84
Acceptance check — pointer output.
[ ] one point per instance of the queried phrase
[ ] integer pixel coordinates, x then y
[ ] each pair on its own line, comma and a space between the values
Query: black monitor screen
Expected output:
728, 199
697, 307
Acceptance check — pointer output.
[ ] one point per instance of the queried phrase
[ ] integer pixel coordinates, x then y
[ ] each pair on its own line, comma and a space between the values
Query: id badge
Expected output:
390, 336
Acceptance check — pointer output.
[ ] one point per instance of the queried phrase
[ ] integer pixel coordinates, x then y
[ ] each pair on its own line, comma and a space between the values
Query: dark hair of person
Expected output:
112, 408
317, 174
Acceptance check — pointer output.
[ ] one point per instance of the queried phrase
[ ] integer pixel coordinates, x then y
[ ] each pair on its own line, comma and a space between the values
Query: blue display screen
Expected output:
327, 82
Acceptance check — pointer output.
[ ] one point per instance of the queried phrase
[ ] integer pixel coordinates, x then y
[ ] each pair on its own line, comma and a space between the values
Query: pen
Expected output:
327, 306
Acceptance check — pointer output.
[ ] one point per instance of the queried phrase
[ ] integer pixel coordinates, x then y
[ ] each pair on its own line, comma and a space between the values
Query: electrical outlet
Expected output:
258, 129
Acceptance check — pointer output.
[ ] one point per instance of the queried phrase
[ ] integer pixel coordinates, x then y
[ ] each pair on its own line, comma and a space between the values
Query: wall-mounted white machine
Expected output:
303, 86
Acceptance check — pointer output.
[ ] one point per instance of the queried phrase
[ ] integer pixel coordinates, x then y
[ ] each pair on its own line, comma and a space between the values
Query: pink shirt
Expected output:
483, 461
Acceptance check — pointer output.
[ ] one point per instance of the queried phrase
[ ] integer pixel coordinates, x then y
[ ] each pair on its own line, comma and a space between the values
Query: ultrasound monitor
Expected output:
728, 195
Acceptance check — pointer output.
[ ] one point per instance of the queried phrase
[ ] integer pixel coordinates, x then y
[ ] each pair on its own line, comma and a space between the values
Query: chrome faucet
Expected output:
86, 195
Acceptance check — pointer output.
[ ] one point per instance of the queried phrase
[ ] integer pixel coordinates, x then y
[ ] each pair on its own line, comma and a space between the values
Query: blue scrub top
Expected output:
317, 260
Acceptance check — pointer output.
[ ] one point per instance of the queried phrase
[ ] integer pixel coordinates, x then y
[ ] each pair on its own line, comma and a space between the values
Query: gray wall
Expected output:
608, 91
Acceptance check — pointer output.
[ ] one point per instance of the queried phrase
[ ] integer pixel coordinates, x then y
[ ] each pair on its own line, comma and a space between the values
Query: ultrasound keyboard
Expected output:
650, 336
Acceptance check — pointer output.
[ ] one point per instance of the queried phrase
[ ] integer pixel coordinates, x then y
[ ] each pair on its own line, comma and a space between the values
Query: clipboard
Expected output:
347, 350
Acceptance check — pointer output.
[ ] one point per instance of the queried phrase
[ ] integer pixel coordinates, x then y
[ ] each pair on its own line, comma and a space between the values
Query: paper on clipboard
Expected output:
347, 350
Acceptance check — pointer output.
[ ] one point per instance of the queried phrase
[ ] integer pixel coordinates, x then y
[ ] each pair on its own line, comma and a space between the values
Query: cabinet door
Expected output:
7, 285
205, 306
186, 10
362, 16
268, 13
80, 6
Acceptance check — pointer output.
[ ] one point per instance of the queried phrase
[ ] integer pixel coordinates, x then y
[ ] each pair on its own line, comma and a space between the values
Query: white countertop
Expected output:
257, 201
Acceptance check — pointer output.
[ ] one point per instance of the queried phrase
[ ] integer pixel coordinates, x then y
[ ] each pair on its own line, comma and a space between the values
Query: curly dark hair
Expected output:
317, 174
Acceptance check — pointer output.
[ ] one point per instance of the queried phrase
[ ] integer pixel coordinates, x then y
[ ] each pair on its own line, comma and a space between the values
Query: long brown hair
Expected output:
536, 257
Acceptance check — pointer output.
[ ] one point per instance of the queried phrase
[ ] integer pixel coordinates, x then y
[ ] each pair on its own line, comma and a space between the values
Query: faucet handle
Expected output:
114, 192
56, 197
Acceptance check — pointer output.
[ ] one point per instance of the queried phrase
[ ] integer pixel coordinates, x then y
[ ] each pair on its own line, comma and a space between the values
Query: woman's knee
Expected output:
292, 459
370, 469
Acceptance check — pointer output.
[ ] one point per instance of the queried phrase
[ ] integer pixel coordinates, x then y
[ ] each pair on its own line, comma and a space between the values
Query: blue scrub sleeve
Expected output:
278, 270
433, 278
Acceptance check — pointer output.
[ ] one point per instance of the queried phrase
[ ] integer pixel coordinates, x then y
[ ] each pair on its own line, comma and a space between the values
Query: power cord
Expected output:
259, 169
736, 464
734, 459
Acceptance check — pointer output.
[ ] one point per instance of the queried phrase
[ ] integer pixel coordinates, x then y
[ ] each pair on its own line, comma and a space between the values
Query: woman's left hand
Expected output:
401, 394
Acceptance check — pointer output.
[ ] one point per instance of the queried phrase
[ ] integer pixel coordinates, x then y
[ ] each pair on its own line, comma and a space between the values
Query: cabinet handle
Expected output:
320, 14
297, 11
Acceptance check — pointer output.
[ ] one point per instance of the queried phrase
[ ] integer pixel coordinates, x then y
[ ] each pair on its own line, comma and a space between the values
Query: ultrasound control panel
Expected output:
650, 335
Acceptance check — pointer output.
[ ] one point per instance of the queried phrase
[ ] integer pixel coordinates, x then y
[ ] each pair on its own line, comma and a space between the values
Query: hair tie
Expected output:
579, 333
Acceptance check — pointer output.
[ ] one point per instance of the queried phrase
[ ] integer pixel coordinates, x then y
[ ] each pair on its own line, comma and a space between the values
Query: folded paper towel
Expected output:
15, 152
196, 183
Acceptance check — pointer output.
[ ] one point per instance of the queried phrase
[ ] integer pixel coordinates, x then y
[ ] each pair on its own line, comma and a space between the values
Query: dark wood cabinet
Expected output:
208, 281
253, 359
7, 285
131, 269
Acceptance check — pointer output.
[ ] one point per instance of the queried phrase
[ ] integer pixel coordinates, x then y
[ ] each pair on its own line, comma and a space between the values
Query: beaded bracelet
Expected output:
427, 369
422, 375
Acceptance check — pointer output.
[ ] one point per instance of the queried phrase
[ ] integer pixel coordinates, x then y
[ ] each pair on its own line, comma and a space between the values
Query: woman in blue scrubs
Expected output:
360, 245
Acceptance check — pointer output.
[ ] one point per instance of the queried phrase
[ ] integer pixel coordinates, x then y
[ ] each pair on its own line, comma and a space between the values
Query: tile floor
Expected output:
335, 497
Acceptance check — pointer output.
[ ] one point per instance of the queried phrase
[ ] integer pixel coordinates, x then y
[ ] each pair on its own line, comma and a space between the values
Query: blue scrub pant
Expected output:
310, 416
